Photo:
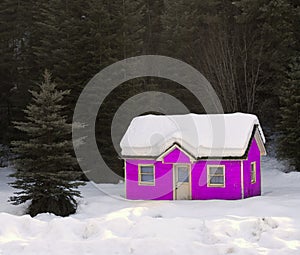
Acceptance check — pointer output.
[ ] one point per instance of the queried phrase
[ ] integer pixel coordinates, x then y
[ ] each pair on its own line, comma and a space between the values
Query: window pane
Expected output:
183, 174
215, 170
147, 178
253, 173
216, 175
216, 180
147, 174
147, 169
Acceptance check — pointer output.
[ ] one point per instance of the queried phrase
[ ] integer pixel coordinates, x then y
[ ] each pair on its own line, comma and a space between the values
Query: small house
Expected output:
193, 156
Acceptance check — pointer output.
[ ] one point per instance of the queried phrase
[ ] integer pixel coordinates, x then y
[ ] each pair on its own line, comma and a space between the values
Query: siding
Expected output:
232, 189
253, 156
163, 188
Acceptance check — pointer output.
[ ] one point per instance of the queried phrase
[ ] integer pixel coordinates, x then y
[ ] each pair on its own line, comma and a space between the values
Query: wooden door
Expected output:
182, 182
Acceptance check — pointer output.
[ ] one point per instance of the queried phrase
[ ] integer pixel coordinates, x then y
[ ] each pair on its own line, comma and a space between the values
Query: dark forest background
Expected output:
247, 49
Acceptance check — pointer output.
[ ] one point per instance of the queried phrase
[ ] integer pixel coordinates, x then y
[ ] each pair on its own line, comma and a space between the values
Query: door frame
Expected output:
175, 165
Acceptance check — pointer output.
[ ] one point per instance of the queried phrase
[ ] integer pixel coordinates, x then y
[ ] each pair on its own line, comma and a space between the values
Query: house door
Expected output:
182, 182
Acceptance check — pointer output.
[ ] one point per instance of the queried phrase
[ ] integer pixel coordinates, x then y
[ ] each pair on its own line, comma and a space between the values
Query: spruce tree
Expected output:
277, 22
289, 125
14, 30
118, 25
45, 165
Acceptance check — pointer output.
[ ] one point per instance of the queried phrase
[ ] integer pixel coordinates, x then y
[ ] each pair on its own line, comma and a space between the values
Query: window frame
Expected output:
208, 177
145, 183
253, 166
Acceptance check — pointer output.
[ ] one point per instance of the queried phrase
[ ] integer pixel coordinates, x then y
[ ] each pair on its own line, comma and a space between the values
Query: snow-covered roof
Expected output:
202, 135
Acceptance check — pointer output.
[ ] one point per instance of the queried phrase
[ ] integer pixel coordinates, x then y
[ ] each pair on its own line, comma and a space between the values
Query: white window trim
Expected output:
208, 175
253, 164
140, 175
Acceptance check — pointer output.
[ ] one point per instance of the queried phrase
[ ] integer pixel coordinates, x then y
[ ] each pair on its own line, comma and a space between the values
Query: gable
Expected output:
175, 154
260, 143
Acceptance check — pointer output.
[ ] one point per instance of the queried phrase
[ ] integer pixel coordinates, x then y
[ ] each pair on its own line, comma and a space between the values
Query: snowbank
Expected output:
104, 224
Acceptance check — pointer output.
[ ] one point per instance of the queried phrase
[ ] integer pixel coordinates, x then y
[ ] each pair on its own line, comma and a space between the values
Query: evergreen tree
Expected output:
276, 22
289, 125
14, 24
179, 22
153, 22
122, 34
45, 164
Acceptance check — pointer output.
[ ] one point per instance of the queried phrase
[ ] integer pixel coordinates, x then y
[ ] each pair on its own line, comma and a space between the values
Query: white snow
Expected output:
200, 134
108, 224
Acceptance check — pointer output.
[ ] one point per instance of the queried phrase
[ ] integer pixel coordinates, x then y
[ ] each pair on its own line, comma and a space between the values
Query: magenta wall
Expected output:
163, 189
253, 155
232, 189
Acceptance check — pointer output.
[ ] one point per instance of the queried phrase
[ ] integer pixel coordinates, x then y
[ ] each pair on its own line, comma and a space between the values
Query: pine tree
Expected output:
153, 22
289, 125
276, 22
179, 22
121, 32
45, 163
14, 31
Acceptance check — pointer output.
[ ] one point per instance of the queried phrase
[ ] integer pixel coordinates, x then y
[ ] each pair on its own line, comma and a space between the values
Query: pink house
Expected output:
215, 156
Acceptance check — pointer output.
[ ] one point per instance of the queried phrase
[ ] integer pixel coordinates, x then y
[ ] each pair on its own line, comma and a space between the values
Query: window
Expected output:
253, 172
216, 176
146, 174
182, 174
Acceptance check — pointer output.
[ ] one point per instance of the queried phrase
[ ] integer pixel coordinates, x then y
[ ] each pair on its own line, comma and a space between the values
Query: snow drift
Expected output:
108, 224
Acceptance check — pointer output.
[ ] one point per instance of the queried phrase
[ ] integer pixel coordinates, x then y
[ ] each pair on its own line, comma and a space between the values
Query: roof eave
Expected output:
255, 134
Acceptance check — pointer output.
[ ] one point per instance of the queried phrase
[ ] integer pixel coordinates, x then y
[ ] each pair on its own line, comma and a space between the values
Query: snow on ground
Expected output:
104, 224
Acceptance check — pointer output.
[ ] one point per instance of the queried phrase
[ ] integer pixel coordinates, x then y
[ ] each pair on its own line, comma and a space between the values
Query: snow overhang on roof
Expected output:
202, 135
